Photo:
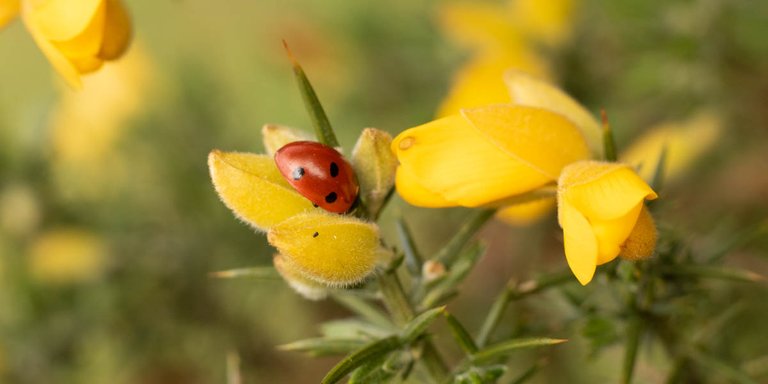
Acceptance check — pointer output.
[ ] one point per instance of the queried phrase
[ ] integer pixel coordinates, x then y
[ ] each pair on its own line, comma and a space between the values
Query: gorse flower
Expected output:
510, 155
77, 37
599, 206
317, 249
485, 156
500, 37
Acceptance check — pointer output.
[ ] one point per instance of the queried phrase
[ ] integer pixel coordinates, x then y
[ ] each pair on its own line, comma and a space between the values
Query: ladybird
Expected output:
319, 173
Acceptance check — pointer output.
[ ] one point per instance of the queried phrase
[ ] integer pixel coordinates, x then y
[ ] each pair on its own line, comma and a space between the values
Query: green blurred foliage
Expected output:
154, 316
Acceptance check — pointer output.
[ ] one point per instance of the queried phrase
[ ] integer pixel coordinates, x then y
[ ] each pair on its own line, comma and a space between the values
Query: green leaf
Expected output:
354, 328
657, 182
363, 308
634, 331
320, 122
381, 370
506, 347
447, 255
716, 365
368, 353
416, 327
481, 375
324, 346
413, 259
261, 273
460, 334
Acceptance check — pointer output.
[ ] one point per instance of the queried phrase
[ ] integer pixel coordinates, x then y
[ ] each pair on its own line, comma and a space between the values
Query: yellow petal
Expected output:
409, 187
9, 9
304, 286
63, 20
580, 243
60, 63
477, 25
451, 159
252, 187
543, 140
527, 89
87, 64
526, 213
685, 143
88, 42
603, 191
117, 30
480, 82
611, 234
546, 21
275, 136
335, 250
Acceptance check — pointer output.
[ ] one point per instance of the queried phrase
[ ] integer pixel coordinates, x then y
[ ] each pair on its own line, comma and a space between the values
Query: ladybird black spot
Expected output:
315, 205
315, 234
330, 198
334, 169
297, 173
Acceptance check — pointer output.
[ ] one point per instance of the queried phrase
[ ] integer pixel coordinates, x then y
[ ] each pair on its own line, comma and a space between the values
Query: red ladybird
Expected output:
319, 173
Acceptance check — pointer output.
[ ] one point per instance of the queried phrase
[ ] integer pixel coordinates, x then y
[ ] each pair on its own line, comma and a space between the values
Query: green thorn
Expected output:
320, 122
609, 144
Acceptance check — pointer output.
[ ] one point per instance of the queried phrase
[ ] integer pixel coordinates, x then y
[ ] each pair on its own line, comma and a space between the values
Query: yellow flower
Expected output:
684, 143
78, 36
599, 206
501, 37
317, 249
67, 255
487, 156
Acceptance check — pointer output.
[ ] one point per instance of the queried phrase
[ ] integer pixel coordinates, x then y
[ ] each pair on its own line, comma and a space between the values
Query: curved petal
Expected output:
9, 9
526, 89
117, 31
409, 187
335, 250
580, 243
275, 136
642, 241
449, 158
252, 187
526, 213
88, 42
611, 234
480, 81
684, 142
603, 191
87, 64
60, 63
304, 286
63, 20
543, 140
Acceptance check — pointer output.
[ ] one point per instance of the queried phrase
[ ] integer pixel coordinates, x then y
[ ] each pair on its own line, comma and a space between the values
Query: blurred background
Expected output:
109, 225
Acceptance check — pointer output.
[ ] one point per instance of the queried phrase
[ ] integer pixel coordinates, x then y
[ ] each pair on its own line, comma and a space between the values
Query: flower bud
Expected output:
375, 165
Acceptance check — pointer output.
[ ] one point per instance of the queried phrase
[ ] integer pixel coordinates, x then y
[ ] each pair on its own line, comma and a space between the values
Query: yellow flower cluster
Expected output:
317, 250
77, 36
507, 154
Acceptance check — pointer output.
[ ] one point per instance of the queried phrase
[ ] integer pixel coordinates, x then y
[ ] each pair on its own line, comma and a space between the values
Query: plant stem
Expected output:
447, 255
401, 310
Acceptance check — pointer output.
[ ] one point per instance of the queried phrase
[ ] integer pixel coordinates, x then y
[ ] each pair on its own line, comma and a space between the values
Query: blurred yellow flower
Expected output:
501, 37
67, 255
599, 206
78, 36
315, 246
684, 143
487, 156
85, 126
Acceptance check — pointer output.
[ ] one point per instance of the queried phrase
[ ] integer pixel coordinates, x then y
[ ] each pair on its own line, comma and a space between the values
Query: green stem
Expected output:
401, 310
447, 255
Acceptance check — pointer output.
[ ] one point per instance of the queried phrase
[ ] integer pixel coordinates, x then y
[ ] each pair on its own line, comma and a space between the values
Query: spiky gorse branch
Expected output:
499, 158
